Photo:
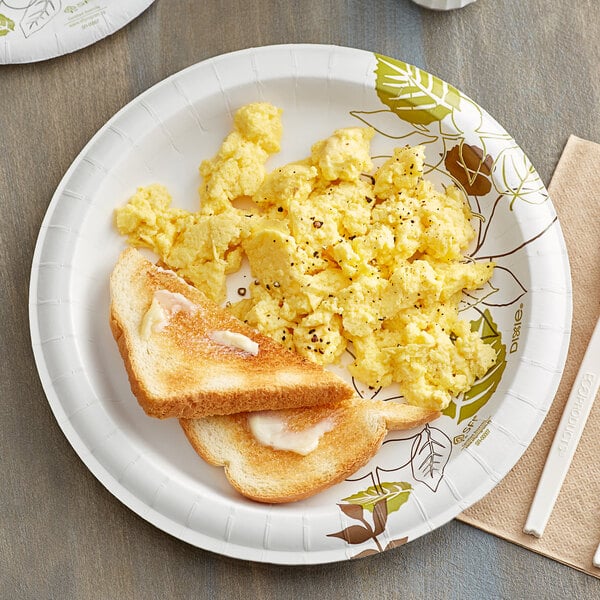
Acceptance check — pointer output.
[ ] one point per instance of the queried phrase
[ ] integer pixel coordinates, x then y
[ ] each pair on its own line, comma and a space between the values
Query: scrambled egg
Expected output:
204, 247
338, 255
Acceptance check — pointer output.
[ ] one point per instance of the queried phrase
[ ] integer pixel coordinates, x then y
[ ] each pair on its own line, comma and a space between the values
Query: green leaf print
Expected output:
394, 493
414, 95
516, 179
482, 390
6, 25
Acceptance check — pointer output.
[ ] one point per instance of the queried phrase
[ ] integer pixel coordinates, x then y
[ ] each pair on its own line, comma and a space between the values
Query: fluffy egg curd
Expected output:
340, 254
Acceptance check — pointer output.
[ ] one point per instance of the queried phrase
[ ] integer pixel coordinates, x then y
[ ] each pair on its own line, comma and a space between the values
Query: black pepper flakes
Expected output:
318, 224
241, 291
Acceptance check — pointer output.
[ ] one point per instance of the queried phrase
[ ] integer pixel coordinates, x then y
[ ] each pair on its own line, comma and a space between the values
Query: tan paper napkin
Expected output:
573, 532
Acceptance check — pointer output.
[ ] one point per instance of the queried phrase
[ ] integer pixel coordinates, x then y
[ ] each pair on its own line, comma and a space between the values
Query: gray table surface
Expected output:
532, 64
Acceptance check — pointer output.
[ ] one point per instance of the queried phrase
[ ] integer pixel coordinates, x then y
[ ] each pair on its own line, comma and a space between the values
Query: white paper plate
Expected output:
33, 30
443, 4
423, 478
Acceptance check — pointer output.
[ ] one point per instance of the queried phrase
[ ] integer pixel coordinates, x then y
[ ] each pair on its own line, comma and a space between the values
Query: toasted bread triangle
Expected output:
181, 371
269, 475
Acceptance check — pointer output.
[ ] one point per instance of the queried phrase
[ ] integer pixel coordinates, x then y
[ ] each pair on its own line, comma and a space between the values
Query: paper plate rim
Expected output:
72, 41
151, 514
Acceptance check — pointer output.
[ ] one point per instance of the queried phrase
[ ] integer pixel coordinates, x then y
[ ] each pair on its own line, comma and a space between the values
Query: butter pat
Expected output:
174, 302
270, 429
235, 340
164, 305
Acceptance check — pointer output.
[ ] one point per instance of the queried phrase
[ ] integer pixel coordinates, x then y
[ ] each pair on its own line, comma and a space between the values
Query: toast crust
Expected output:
182, 372
264, 474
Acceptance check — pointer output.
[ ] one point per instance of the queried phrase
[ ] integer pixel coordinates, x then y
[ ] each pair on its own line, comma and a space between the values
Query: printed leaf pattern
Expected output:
391, 544
395, 495
396, 543
386, 123
516, 179
380, 515
509, 291
379, 500
430, 454
494, 247
354, 534
358, 534
354, 511
470, 168
367, 552
6, 25
38, 14
505, 291
478, 396
414, 95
